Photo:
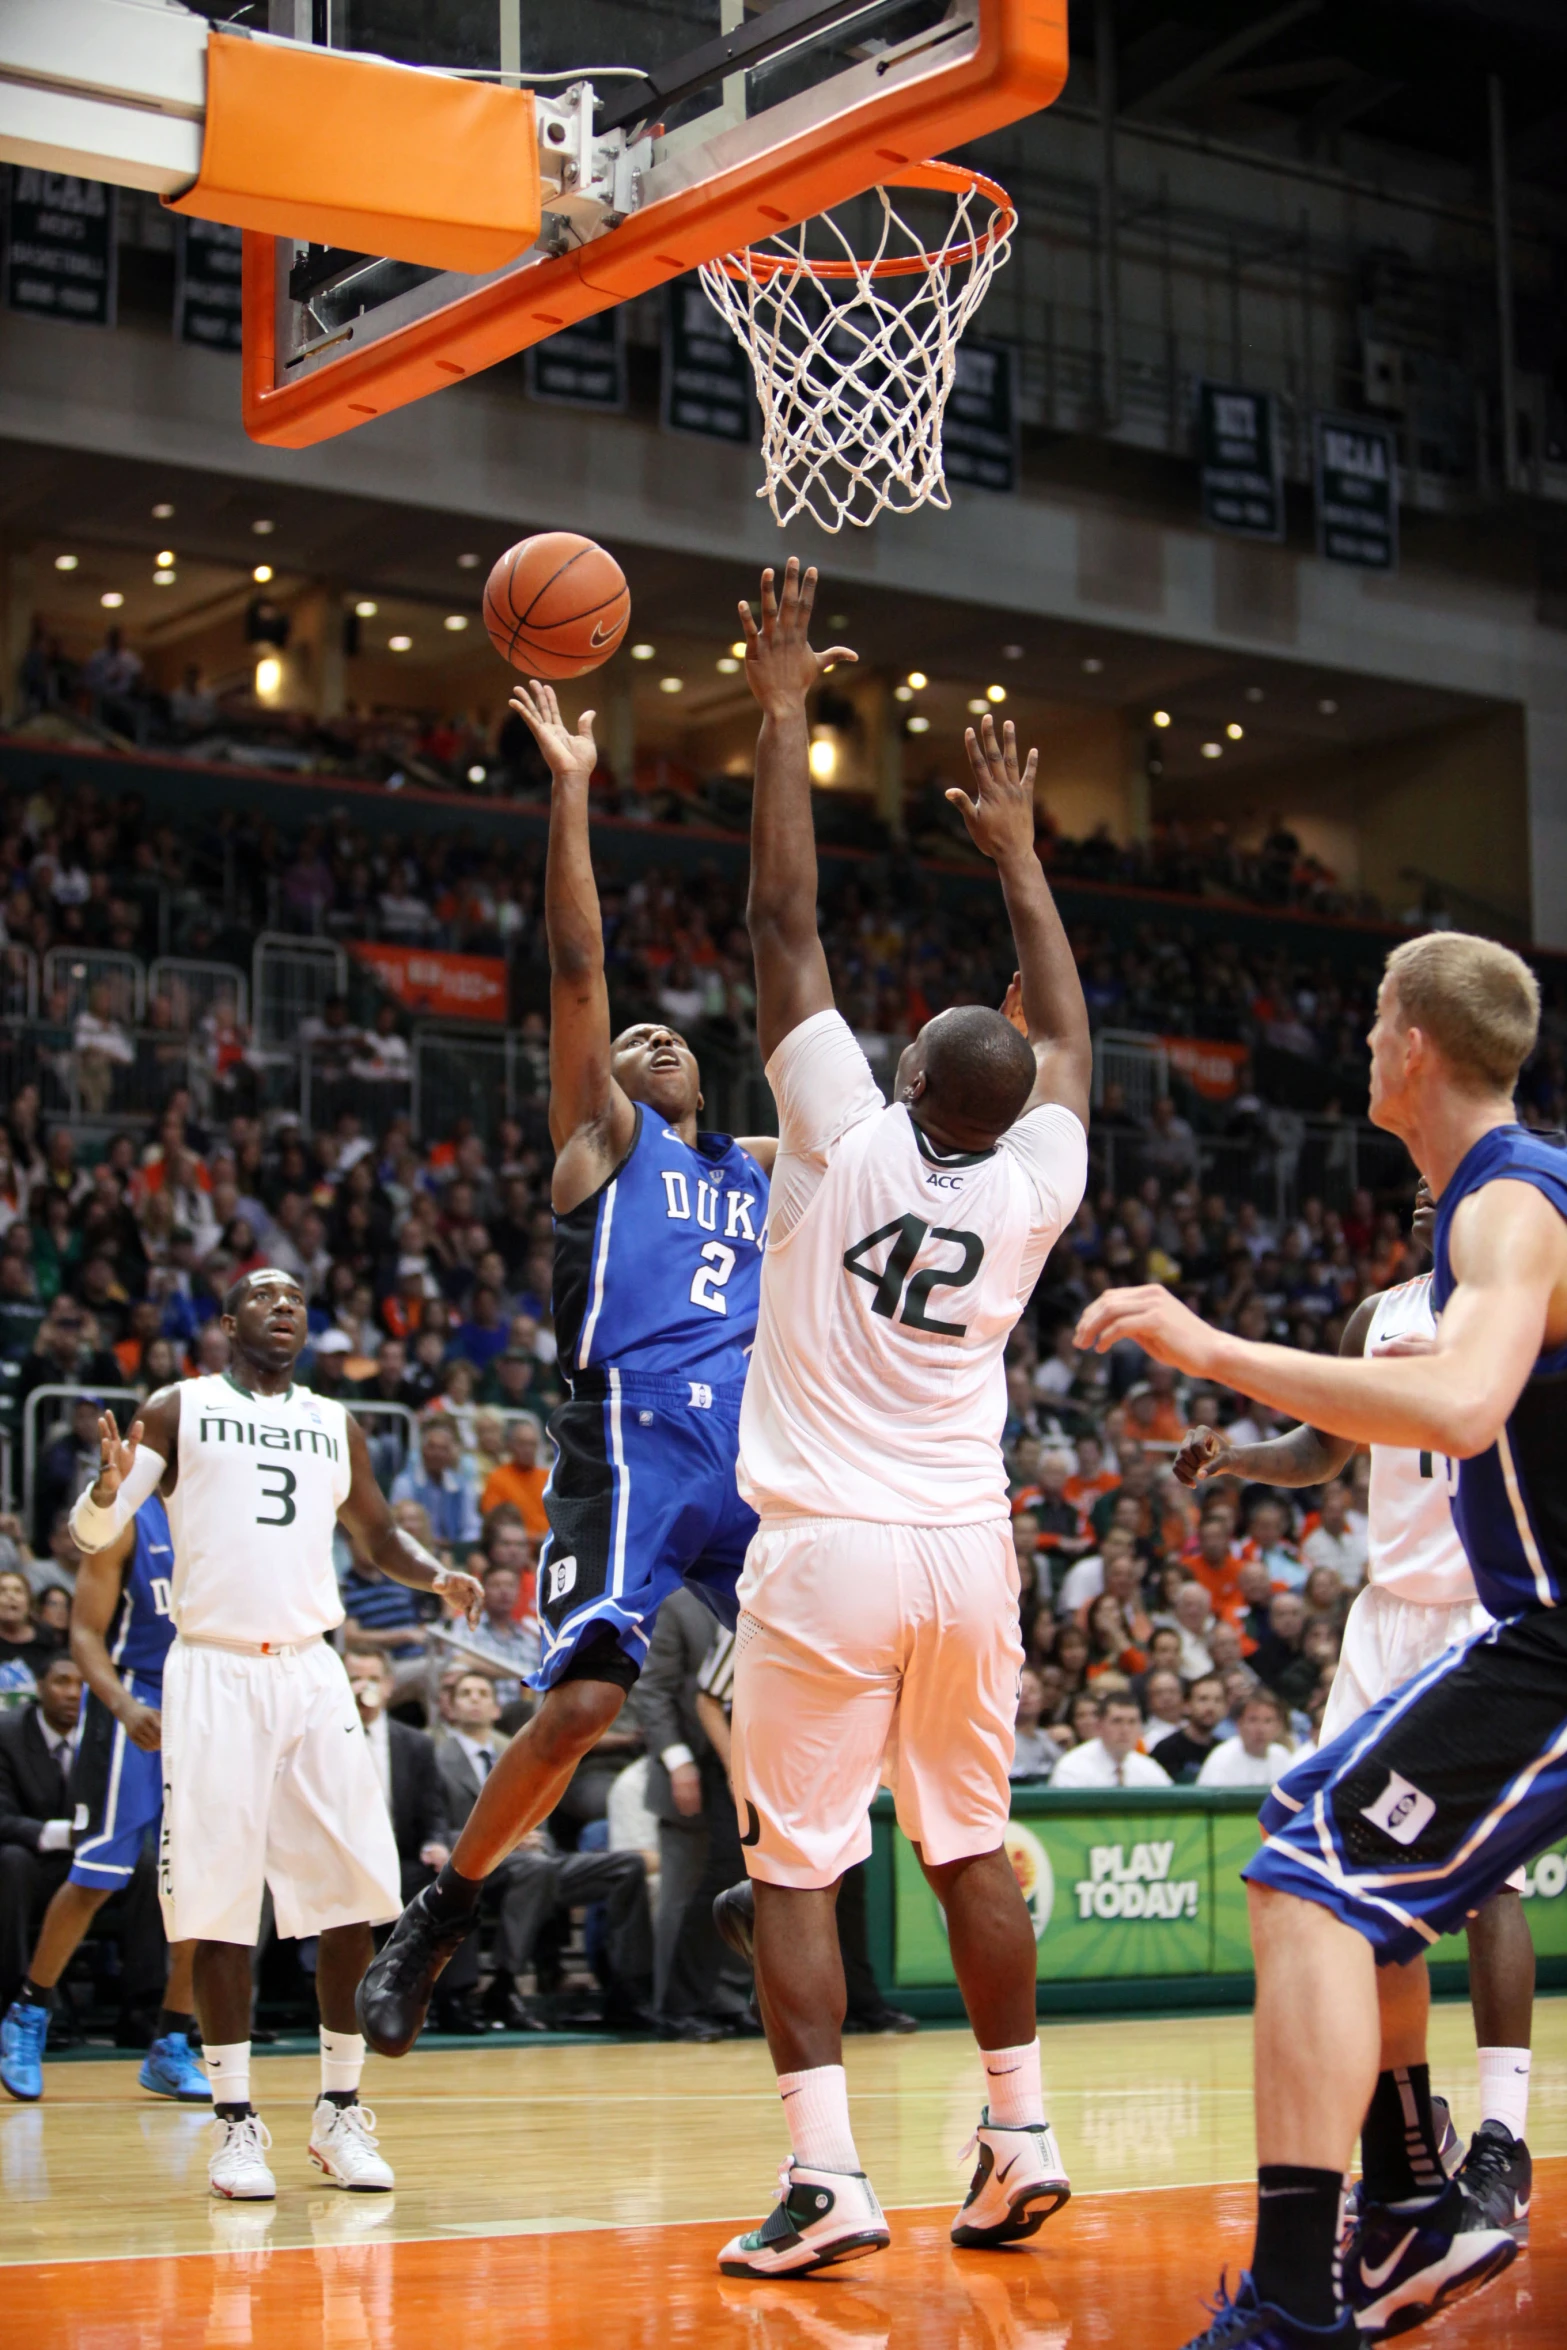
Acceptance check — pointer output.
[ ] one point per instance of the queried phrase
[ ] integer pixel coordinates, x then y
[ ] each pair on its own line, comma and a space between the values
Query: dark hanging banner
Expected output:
60, 257
584, 366
1355, 471
207, 257
707, 377
979, 438
1238, 452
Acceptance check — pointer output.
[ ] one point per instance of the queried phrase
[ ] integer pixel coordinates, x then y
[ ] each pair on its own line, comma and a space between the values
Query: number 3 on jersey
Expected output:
908, 1305
282, 1493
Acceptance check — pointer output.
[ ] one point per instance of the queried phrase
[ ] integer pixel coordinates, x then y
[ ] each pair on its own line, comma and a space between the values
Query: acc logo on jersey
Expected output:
563, 1576
1400, 1811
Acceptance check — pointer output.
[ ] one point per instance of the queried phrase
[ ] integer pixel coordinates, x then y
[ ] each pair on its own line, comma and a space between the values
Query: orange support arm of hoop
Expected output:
1018, 66
346, 150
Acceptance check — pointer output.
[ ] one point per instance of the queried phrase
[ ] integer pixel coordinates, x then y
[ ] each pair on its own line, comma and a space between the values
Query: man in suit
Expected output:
698, 1839
37, 1755
415, 1791
537, 1882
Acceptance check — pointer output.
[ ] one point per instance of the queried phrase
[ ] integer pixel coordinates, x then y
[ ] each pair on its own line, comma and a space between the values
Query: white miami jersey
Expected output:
892, 1279
253, 1511
1414, 1545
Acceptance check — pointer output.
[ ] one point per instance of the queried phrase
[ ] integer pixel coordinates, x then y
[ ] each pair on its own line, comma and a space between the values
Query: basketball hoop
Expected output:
854, 360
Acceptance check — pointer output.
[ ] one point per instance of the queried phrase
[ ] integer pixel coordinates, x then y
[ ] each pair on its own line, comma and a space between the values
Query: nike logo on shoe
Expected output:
1012, 2165
1376, 2278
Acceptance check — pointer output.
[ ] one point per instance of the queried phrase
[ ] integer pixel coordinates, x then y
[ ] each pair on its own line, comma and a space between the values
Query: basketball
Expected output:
556, 605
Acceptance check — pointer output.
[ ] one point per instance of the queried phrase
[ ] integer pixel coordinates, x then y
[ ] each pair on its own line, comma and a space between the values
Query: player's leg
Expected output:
1497, 2170
170, 2068
25, 2030
953, 1756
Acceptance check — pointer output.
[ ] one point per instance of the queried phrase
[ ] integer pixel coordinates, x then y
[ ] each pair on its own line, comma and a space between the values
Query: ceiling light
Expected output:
467, 562
837, 619
1161, 718
824, 759
1011, 652
367, 608
1254, 693
163, 576
1213, 750
919, 725
165, 559
671, 685
977, 706
727, 666
477, 774
456, 621
111, 600
263, 530
918, 679
163, 511
269, 677
1234, 732
399, 644
1328, 707
737, 651
995, 693
903, 693
66, 562
643, 652
1092, 665
261, 574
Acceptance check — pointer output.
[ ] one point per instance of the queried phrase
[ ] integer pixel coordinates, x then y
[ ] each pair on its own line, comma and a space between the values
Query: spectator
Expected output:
520, 1479
26, 1646
1279, 1659
1036, 1752
1110, 1758
506, 1647
1183, 1754
1257, 1754
1268, 1541
69, 1461
1338, 1539
441, 1484
101, 1046
1164, 1705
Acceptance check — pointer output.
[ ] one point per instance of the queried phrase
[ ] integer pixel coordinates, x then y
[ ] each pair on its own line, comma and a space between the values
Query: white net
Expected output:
854, 358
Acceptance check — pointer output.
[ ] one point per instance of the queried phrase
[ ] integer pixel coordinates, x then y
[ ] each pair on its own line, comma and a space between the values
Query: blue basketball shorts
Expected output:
642, 1497
1417, 1813
116, 1791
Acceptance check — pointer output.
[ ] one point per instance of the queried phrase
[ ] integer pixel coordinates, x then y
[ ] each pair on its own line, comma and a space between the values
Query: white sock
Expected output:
228, 2069
1013, 2088
816, 2107
1504, 2087
342, 2061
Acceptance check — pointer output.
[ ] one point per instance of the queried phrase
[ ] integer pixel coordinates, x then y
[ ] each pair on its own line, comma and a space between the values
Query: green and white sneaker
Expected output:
825, 2216
1019, 2180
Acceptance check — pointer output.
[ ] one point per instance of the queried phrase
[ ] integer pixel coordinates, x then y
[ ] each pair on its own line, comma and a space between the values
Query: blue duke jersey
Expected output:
1511, 1504
117, 1788
659, 1273
142, 1629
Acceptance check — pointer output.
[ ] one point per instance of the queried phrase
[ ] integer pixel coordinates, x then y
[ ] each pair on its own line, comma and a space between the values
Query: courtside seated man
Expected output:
658, 1263
1412, 1818
879, 1617
267, 1777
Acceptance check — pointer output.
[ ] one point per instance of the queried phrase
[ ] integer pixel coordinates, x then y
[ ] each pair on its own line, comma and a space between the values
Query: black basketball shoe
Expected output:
1498, 2178
1406, 2261
394, 1998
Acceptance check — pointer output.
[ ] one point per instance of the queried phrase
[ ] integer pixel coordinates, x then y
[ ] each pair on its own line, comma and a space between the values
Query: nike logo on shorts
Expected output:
753, 1829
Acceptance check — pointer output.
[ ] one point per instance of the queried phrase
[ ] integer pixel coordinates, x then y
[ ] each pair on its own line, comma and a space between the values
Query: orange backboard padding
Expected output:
346, 150
1019, 66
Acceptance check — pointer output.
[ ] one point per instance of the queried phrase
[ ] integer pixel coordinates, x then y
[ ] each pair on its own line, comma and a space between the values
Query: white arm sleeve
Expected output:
823, 1086
94, 1528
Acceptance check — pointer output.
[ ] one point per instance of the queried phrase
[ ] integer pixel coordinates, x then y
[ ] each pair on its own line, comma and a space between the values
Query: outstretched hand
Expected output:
781, 666
566, 754
1000, 817
115, 1453
1012, 1005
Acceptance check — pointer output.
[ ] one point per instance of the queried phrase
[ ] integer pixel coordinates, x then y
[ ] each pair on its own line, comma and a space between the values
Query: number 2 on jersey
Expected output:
283, 1493
908, 1305
717, 1264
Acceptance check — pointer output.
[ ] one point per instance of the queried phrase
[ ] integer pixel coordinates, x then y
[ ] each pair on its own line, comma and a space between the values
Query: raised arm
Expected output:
1301, 1456
377, 1535
780, 667
591, 1120
132, 1468
1000, 819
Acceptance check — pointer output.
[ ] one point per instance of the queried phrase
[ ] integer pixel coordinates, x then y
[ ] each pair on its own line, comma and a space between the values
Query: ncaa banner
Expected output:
450, 987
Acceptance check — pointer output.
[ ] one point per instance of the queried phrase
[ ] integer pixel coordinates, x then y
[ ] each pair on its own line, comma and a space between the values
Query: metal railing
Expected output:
18, 983
291, 980
195, 988
458, 1073
1138, 1064
1301, 1159
76, 971
47, 1393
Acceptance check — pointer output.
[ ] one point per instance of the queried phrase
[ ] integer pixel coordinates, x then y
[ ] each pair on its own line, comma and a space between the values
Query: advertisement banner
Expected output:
1355, 476
61, 254
1544, 1905
1210, 1068
1239, 457
452, 987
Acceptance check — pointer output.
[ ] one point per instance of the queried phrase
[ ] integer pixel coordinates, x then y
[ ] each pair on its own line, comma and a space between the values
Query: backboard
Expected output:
670, 132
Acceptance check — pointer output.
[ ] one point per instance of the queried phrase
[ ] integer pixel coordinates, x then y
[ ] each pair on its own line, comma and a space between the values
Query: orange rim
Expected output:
956, 178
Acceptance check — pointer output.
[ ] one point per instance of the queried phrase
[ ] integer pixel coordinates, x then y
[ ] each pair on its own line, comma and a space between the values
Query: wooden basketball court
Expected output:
568, 2194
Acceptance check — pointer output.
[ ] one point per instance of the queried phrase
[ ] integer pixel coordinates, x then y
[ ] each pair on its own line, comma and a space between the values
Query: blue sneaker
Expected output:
169, 2069
1249, 2324
22, 2036
1402, 2265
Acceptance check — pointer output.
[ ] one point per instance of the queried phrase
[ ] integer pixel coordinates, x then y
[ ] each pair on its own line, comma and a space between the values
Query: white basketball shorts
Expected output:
268, 1779
867, 1654
1387, 1640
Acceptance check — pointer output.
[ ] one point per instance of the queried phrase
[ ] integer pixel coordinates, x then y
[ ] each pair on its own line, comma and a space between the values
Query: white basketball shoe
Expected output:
342, 2143
824, 2216
1018, 2182
238, 2169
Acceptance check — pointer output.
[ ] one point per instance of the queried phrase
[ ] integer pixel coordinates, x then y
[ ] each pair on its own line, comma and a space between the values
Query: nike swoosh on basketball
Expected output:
1376, 2278
602, 632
